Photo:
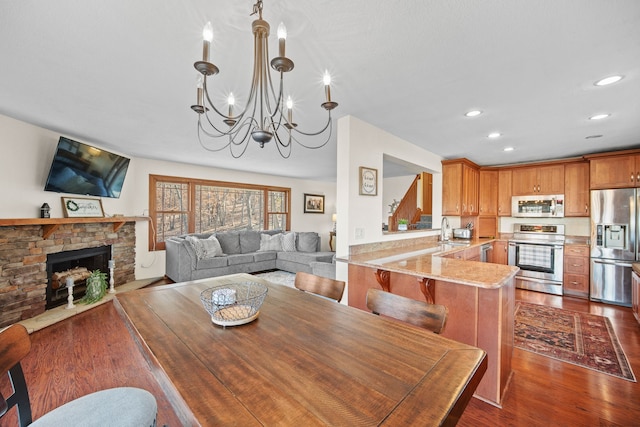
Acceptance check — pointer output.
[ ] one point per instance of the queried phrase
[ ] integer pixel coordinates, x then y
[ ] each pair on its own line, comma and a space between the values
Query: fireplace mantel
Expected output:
50, 225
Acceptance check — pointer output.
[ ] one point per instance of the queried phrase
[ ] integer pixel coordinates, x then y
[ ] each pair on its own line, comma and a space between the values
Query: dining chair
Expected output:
323, 286
418, 313
121, 406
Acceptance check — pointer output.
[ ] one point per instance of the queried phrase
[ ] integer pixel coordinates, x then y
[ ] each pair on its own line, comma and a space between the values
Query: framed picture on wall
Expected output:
79, 207
368, 181
313, 203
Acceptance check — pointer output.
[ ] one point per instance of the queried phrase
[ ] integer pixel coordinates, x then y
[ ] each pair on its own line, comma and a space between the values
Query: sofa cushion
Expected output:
289, 242
270, 243
307, 241
240, 259
249, 241
205, 248
264, 256
230, 242
211, 247
305, 257
215, 262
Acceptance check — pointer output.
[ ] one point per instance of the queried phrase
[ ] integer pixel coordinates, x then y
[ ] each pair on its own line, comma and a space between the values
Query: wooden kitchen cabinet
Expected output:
635, 294
576, 186
538, 180
460, 192
576, 270
488, 193
504, 192
615, 172
499, 254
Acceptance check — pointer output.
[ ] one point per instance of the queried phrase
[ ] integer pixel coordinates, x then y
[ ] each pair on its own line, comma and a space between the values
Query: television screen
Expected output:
79, 168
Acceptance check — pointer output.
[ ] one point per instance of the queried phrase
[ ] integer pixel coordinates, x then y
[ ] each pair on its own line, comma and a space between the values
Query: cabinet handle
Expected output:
586, 208
631, 176
576, 265
538, 188
574, 283
638, 177
534, 188
457, 207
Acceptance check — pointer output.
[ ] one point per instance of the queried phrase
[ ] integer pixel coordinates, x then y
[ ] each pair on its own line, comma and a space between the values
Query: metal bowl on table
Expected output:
235, 303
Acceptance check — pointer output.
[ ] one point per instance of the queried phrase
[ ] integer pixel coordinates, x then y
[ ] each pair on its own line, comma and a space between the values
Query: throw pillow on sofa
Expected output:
289, 242
211, 248
230, 242
270, 243
307, 241
205, 248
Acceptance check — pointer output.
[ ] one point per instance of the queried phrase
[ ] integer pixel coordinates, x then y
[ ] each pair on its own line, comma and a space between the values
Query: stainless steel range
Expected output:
538, 249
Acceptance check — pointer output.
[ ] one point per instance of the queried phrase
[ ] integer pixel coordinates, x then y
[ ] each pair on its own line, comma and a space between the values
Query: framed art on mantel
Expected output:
313, 203
78, 207
368, 181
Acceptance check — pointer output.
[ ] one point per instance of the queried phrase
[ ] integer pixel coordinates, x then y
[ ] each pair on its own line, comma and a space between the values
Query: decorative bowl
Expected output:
235, 303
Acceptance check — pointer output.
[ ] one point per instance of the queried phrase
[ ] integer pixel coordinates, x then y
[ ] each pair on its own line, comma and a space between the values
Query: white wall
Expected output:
28, 151
360, 217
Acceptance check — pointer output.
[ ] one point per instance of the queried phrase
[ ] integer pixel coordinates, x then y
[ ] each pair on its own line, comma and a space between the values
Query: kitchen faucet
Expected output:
444, 227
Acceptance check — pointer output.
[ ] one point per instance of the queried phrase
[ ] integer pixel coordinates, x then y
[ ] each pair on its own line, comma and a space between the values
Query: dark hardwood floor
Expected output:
547, 392
94, 350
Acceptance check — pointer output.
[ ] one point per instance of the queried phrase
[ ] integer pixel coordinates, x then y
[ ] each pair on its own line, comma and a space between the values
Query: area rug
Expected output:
279, 276
582, 339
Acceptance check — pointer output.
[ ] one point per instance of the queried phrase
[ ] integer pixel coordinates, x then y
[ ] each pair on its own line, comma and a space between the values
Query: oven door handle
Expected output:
534, 279
619, 264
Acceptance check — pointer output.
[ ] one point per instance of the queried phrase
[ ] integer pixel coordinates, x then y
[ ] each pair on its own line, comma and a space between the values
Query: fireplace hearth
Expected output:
76, 262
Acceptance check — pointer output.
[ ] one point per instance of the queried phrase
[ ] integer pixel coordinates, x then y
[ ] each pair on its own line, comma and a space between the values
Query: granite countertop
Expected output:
428, 261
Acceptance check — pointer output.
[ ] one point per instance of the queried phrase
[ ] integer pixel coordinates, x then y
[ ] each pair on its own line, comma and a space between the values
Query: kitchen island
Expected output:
479, 296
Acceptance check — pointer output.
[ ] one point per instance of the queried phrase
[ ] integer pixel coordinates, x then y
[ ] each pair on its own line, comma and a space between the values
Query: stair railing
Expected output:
407, 208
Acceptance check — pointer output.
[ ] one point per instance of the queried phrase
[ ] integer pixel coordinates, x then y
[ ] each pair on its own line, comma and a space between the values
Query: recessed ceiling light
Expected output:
599, 116
608, 80
508, 149
473, 113
593, 136
494, 135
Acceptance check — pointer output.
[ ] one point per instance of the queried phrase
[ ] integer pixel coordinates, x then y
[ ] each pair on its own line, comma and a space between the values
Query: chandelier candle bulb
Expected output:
327, 85
207, 36
282, 37
290, 109
231, 100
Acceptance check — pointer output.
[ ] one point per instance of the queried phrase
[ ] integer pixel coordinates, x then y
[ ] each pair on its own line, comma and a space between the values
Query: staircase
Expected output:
408, 208
425, 222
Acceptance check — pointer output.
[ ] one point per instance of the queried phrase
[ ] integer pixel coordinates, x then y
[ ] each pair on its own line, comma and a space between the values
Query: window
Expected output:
182, 205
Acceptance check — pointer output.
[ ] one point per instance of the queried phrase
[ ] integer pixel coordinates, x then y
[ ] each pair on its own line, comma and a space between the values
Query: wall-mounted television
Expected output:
79, 168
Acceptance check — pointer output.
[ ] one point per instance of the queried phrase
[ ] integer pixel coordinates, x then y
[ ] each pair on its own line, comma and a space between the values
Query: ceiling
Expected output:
119, 74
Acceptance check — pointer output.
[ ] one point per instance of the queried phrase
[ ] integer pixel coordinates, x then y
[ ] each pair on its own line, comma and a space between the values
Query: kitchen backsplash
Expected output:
573, 226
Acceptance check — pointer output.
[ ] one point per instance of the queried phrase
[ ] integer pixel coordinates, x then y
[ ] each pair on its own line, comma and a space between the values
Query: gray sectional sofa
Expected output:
198, 256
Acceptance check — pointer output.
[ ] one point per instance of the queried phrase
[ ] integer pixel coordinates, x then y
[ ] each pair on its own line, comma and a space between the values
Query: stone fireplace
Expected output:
26, 244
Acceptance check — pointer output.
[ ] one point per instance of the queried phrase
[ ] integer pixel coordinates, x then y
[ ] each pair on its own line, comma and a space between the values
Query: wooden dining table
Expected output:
304, 361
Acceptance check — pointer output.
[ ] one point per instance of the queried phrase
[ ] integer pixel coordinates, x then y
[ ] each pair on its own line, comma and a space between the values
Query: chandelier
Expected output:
266, 116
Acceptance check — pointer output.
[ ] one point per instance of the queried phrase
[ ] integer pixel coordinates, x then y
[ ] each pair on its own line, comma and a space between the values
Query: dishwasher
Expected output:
484, 252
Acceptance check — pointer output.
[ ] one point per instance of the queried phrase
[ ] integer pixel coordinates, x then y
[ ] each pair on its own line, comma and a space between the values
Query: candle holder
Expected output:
112, 266
70, 303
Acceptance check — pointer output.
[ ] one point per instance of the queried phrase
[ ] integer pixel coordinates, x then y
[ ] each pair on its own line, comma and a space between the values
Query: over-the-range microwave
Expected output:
547, 206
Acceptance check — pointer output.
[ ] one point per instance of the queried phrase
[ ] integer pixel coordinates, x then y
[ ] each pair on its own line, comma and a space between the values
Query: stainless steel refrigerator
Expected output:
614, 244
